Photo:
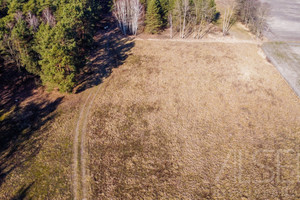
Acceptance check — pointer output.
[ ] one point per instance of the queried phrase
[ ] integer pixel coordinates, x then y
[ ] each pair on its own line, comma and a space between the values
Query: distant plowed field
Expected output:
284, 35
284, 19
194, 121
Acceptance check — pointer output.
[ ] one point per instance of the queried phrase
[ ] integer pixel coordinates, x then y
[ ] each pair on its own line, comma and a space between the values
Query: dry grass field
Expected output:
37, 162
194, 121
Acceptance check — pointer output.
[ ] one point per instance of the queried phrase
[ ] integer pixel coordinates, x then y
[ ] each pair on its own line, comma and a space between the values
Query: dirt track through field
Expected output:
213, 40
80, 188
80, 177
79, 159
77, 186
81, 181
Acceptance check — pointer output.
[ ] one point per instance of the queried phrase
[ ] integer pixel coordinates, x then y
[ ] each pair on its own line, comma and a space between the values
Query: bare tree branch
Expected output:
33, 21
128, 13
48, 17
228, 18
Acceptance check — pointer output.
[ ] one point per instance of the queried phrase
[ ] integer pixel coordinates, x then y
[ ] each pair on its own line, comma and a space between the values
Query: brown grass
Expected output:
39, 165
184, 120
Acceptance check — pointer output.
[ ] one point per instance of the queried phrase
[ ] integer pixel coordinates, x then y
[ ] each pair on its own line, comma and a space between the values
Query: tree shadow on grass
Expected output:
24, 110
111, 50
22, 193
19, 139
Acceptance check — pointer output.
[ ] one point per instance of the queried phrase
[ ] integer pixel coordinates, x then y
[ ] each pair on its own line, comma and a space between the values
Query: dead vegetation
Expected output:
35, 139
36, 148
37, 128
194, 121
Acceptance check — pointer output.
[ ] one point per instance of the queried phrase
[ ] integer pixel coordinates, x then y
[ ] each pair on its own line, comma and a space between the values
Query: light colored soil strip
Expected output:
214, 40
83, 146
76, 147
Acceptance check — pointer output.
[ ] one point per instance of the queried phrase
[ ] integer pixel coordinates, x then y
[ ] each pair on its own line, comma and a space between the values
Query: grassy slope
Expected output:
41, 166
183, 120
37, 128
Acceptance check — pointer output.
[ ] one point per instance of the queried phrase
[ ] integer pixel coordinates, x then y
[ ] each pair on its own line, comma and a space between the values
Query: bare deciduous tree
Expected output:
228, 17
171, 24
203, 15
186, 8
137, 10
128, 13
120, 13
254, 15
260, 23
192, 17
33, 21
49, 17
246, 10
19, 16
182, 13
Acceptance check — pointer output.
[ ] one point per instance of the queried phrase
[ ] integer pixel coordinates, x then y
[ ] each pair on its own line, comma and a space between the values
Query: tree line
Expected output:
189, 17
48, 38
51, 38
185, 17
254, 14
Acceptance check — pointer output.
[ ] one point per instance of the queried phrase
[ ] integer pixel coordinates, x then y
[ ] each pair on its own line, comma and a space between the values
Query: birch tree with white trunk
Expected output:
186, 9
128, 14
171, 24
204, 14
33, 21
228, 17
48, 17
254, 15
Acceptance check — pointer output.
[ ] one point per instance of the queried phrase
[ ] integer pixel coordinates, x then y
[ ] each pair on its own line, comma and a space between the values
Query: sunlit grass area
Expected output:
194, 121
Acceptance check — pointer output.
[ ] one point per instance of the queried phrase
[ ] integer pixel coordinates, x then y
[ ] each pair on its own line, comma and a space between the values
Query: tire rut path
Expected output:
80, 174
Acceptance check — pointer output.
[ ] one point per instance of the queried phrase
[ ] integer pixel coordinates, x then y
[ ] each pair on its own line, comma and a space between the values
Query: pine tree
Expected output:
165, 7
22, 38
154, 20
57, 61
48, 38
